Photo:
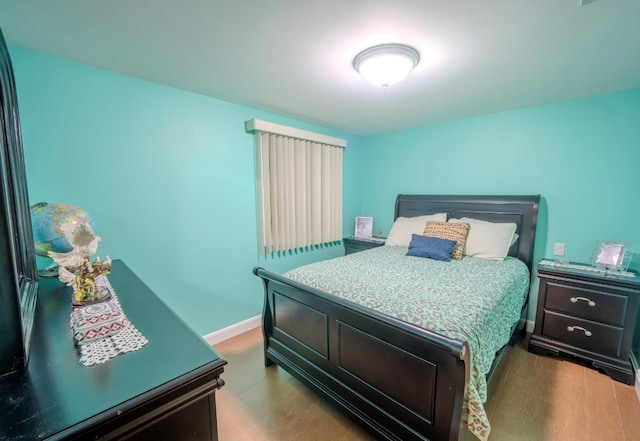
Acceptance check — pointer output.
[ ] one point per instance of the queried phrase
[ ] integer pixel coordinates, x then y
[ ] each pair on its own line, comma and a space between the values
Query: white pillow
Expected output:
488, 240
404, 227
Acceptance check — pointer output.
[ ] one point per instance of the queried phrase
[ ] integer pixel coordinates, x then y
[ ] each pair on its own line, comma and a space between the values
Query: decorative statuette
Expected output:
76, 268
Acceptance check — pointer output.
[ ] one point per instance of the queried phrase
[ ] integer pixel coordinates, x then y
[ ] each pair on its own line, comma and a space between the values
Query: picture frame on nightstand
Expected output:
613, 256
364, 227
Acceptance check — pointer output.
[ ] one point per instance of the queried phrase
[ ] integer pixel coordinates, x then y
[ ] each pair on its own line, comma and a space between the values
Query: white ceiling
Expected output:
294, 57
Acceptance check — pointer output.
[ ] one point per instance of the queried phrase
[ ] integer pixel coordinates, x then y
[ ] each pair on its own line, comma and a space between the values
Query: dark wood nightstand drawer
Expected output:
591, 336
586, 302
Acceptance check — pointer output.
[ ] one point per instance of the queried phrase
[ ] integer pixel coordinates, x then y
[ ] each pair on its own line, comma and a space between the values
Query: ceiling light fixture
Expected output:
386, 64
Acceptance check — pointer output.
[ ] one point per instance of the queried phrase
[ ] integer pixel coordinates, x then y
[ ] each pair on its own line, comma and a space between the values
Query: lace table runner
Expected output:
128, 339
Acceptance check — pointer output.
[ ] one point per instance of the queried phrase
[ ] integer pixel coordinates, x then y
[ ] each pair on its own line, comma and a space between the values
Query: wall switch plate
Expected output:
558, 249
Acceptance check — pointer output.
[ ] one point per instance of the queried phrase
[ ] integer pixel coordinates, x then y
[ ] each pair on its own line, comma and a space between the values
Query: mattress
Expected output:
473, 300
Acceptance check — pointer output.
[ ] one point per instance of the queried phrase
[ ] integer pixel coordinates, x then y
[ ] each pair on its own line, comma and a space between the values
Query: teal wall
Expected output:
582, 156
168, 177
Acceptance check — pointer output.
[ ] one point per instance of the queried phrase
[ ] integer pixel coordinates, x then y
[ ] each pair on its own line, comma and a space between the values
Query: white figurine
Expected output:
83, 241
83, 272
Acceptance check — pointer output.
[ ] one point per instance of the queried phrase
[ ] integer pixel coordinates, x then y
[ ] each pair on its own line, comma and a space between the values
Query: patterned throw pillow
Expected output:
453, 231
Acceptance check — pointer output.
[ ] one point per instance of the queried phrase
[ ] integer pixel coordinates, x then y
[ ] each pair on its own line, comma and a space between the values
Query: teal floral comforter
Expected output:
474, 300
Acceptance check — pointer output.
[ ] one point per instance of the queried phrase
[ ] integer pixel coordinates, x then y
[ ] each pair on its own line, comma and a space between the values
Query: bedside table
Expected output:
353, 245
588, 315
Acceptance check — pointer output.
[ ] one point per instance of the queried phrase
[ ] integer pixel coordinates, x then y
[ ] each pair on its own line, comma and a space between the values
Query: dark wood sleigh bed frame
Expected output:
399, 381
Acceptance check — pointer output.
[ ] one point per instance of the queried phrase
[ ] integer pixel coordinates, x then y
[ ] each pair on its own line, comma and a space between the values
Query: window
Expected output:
299, 183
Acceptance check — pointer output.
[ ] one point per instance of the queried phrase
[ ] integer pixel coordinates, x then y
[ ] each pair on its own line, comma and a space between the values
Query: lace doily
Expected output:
129, 339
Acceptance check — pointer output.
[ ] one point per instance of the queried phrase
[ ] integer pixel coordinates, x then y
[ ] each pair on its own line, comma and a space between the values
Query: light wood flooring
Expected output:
538, 399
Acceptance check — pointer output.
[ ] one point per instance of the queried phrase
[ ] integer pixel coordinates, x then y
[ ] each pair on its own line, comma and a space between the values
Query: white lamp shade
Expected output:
386, 65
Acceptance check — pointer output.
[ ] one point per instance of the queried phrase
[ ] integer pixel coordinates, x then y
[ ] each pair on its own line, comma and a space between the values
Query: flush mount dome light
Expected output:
386, 64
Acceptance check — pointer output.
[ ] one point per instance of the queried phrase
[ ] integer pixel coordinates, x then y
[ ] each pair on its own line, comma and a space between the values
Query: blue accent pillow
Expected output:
431, 247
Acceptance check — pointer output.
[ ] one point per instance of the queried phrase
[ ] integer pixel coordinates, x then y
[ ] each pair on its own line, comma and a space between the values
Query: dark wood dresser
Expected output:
353, 245
164, 391
588, 315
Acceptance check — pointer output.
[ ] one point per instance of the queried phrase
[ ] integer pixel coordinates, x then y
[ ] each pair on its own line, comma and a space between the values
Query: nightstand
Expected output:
587, 314
353, 245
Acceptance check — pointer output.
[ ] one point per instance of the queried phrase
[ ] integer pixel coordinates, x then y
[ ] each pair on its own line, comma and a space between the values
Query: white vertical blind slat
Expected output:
290, 187
307, 193
276, 192
325, 188
284, 174
299, 202
316, 193
337, 198
260, 191
266, 242
300, 191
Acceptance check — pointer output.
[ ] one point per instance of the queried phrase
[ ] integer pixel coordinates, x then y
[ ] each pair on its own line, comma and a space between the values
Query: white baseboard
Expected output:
530, 325
233, 330
634, 363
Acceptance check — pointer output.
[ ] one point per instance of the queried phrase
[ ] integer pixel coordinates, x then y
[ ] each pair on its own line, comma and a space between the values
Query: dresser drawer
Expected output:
586, 302
585, 334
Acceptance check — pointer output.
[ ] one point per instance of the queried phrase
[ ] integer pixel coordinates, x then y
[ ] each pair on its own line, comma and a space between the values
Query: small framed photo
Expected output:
610, 255
364, 227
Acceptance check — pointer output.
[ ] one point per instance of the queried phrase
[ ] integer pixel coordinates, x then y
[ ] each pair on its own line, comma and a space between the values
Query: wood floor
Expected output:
537, 399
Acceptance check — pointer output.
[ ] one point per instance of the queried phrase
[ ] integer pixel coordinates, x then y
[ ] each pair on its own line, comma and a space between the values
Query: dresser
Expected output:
353, 244
164, 391
589, 315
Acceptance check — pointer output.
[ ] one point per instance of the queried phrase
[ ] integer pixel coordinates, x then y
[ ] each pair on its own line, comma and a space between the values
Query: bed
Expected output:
399, 380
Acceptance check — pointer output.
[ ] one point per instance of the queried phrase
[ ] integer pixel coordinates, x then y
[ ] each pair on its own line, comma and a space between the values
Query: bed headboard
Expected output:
521, 210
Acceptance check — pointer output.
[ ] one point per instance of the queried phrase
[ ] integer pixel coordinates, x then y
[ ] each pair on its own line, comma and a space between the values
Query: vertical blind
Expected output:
299, 182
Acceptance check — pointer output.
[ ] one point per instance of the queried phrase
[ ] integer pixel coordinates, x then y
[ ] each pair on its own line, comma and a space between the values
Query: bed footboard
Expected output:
399, 381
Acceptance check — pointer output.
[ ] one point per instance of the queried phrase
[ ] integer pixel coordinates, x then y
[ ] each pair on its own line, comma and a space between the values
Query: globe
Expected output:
46, 220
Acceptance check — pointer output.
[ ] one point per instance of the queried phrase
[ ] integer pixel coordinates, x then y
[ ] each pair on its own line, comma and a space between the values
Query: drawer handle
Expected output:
573, 328
590, 302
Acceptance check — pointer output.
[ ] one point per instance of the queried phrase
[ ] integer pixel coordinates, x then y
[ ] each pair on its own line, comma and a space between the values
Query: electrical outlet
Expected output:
558, 249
